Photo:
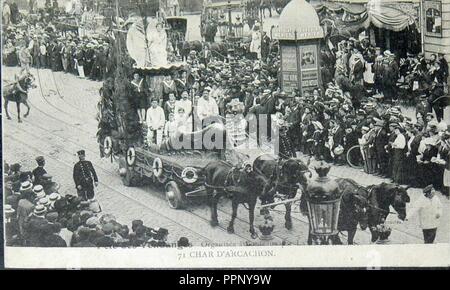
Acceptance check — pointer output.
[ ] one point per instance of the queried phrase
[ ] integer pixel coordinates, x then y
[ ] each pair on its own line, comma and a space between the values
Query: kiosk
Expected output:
299, 33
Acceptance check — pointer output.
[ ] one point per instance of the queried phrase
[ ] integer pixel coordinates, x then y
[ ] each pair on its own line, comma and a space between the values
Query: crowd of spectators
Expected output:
37, 215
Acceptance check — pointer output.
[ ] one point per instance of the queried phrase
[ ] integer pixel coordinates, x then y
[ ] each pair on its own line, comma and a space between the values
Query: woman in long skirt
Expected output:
398, 156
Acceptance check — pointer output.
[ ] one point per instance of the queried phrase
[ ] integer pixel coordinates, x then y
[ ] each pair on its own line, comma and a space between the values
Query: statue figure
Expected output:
157, 45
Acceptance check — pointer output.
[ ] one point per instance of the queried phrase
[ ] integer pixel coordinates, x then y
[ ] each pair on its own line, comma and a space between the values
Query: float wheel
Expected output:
174, 197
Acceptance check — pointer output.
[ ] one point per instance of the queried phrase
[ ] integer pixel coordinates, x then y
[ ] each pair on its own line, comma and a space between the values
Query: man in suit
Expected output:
380, 141
39, 171
85, 177
423, 107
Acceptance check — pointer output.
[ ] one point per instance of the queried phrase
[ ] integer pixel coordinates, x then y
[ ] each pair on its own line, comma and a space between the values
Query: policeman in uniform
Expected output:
85, 177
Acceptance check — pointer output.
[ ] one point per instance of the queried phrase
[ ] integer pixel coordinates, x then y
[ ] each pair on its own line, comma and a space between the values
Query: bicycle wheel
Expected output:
354, 157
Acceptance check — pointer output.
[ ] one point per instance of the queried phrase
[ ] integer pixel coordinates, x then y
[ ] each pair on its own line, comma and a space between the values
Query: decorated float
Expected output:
147, 44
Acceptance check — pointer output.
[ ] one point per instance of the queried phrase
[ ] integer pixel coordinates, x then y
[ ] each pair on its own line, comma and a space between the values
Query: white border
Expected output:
368, 256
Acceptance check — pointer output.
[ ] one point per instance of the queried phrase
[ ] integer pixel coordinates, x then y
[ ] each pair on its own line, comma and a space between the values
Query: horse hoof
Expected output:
26, 115
214, 223
253, 235
9, 118
230, 230
288, 226
20, 121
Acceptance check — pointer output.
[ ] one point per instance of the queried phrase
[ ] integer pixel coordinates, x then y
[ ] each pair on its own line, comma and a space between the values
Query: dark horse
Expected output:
239, 182
282, 176
380, 198
18, 93
353, 209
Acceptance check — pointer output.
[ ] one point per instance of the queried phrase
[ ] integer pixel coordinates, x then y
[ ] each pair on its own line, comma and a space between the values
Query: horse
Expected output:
380, 198
282, 176
18, 93
241, 183
353, 209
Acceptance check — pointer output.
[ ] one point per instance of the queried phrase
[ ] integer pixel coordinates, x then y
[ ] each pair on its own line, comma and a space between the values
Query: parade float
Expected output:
143, 45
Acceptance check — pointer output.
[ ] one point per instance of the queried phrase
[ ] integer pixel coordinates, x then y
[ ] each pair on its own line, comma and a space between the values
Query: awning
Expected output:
341, 7
344, 19
391, 15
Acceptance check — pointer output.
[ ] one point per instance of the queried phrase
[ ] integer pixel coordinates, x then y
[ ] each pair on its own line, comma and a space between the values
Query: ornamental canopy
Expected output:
298, 21
391, 15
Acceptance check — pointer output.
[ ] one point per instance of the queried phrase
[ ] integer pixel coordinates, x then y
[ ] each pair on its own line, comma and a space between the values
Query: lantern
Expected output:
323, 199
323, 217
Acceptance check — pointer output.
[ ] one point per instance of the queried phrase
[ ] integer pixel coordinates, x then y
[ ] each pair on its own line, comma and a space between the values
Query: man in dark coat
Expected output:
437, 100
423, 106
268, 102
380, 141
39, 171
442, 62
85, 177
390, 76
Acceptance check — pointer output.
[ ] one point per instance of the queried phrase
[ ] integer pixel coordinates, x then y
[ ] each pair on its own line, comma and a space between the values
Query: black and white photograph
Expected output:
225, 133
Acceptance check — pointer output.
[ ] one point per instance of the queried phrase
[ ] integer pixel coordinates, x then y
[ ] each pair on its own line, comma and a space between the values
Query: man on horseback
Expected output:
17, 92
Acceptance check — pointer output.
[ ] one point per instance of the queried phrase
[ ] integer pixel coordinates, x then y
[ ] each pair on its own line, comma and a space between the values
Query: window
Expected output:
434, 21
433, 18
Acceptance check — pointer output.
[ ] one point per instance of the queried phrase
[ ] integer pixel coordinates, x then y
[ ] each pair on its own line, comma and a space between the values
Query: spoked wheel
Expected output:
174, 197
354, 157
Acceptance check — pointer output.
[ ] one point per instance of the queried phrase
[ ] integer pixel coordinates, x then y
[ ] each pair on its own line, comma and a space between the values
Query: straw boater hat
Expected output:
39, 210
9, 209
388, 53
44, 201
26, 185
54, 197
38, 188
40, 194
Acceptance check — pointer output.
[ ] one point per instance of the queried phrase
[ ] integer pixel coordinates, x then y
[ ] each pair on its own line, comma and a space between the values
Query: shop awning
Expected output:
345, 19
341, 7
391, 15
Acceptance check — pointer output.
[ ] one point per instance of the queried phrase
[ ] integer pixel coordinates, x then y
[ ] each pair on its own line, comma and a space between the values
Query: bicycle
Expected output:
354, 157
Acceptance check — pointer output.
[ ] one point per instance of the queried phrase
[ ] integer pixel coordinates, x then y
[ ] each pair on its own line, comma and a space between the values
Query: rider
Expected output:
17, 80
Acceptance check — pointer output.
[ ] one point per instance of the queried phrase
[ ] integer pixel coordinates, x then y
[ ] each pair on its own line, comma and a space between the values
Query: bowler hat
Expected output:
52, 217
81, 152
40, 159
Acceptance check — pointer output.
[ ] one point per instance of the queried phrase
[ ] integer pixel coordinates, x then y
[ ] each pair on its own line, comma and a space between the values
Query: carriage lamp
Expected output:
323, 199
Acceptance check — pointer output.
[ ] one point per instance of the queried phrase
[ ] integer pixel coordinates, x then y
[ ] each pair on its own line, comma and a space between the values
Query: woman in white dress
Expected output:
255, 45
157, 45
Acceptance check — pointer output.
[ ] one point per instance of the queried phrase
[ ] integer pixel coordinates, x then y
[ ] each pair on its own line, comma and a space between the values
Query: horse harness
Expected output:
375, 207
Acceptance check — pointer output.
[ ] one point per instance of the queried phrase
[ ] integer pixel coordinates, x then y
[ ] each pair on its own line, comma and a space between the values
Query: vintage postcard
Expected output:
226, 134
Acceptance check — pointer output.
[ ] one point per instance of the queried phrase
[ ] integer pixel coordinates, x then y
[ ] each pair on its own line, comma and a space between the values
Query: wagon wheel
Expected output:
354, 157
174, 197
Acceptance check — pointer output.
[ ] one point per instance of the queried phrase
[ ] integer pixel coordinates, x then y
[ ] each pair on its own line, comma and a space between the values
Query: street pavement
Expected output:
62, 121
